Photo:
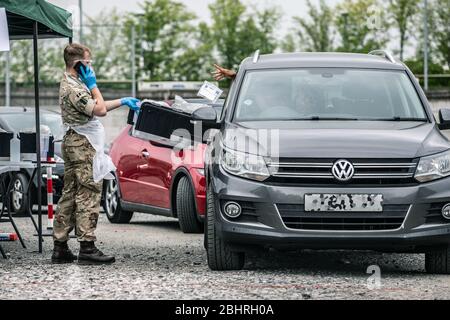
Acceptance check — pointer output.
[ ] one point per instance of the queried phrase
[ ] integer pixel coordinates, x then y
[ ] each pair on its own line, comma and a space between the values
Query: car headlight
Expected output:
433, 167
244, 165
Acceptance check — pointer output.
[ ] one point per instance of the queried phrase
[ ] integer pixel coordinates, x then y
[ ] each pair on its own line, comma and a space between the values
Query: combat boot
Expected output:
89, 254
62, 254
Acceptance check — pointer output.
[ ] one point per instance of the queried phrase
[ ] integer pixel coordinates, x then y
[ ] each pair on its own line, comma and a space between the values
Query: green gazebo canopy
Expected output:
53, 22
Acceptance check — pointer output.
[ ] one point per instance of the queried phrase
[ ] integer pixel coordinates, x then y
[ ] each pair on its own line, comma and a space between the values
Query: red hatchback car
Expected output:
154, 178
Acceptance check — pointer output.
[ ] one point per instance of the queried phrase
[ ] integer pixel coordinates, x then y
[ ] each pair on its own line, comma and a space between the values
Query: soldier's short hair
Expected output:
73, 52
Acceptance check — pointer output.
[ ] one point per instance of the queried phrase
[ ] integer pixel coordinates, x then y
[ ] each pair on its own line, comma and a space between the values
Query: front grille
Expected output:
295, 217
434, 214
319, 171
248, 208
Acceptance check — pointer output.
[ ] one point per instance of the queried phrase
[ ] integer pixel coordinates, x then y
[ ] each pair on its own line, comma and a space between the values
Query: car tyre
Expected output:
219, 254
111, 204
437, 261
186, 211
19, 199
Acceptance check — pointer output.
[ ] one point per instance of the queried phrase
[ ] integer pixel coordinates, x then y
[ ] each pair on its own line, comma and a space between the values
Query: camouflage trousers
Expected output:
79, 205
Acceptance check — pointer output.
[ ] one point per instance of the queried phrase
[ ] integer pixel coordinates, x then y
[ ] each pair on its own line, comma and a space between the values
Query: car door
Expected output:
130, 164
156, 175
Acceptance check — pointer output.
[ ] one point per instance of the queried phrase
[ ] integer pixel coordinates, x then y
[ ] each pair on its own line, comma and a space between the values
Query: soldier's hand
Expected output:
88, 77
221, 73
132, 103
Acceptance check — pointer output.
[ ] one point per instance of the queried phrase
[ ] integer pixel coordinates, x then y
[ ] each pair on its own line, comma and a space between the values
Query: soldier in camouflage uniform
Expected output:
78, 208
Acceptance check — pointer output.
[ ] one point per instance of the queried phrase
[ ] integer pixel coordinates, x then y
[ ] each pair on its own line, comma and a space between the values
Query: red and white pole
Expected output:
50, 195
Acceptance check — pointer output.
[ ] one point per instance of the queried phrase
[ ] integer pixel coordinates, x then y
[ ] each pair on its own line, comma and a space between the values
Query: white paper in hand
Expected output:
210, 92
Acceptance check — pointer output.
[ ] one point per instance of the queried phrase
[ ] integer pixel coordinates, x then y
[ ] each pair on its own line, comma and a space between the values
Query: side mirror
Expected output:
208, 117
207, 114
444, 119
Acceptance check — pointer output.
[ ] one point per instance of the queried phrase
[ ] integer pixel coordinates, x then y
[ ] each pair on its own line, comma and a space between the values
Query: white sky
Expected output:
200, 7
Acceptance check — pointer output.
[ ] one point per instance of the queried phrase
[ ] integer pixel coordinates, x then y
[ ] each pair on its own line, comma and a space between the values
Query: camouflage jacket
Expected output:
75, 100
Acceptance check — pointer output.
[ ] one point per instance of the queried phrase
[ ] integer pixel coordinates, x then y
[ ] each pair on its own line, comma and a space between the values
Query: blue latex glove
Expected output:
88, 77
132, 103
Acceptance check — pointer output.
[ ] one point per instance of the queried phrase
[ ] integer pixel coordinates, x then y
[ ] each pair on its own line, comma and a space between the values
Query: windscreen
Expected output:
26, 122
328, 94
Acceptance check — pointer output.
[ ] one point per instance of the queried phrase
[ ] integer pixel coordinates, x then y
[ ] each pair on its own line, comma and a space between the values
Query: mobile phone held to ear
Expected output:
78, 66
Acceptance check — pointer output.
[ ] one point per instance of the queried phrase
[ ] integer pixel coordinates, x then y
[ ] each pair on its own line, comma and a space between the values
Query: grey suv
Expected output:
327, 151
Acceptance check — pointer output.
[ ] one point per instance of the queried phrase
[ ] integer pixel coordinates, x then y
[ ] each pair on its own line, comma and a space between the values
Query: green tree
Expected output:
227, 26
194, 64
403, 13
109, 45
440, 13
356, 30
51, 62
419, 34
315, 33
267, 22
289, 43
21, 56
237, 33
110, 53
164, 31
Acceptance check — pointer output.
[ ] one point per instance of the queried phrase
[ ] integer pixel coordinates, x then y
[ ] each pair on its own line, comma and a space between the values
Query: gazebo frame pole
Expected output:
38, 132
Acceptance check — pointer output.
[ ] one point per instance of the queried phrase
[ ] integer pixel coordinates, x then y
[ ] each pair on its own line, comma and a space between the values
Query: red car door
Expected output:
129, 167
156, 176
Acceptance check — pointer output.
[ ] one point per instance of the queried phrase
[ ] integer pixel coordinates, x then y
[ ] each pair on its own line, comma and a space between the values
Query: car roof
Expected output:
15, 110
320, 60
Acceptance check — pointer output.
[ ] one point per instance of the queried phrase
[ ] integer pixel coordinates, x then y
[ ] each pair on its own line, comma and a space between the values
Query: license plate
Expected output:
344, 202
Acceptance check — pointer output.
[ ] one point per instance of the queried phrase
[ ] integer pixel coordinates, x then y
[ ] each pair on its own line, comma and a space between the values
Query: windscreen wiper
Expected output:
317, 118
403, 119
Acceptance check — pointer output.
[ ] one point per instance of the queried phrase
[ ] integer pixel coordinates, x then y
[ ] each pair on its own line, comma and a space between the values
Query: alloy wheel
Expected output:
111, 197
17, 195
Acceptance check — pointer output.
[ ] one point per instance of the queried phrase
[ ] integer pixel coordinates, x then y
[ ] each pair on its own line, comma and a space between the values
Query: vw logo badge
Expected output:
343, 170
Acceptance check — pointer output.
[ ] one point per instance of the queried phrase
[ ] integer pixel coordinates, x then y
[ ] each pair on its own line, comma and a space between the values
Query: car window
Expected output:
322, 93
227, 102
26, 122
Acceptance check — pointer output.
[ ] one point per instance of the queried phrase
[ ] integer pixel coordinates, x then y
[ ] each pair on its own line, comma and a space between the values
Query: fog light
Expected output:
234, 210
446, 211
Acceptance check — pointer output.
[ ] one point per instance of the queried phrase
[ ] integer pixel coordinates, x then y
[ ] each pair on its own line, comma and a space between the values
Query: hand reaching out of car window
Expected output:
221, 73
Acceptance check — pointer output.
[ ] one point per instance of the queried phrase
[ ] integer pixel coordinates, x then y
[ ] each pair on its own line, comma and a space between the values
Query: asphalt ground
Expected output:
155, 260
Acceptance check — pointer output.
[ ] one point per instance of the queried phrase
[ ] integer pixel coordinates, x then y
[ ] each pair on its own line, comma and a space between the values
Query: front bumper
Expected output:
266, 227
